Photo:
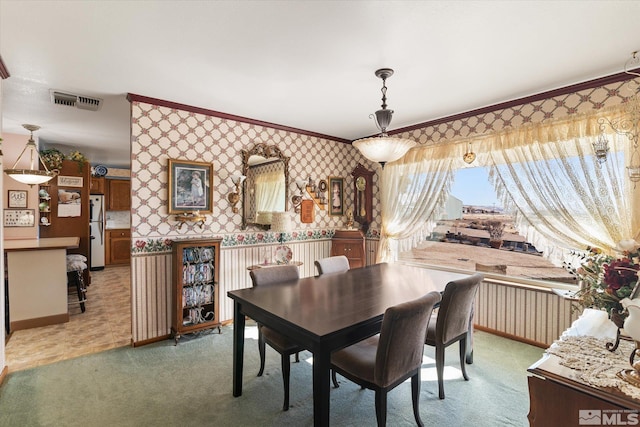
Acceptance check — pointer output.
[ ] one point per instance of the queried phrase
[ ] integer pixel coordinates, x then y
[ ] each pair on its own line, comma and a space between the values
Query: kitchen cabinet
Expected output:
118, 195
195, 286
97, 185
349, 243
118, 247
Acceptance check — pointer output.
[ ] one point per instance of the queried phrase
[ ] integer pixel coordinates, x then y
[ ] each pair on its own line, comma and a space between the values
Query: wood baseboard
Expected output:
3, 374
510, 336
40, 321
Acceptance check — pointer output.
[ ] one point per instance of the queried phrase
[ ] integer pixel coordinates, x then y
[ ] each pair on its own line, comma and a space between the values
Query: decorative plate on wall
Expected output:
100, 170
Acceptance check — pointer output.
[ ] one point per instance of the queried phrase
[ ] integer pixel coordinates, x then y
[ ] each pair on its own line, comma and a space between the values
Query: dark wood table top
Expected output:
325, 304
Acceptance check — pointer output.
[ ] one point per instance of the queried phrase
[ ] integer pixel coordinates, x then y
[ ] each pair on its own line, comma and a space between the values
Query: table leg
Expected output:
238, 349
321, 370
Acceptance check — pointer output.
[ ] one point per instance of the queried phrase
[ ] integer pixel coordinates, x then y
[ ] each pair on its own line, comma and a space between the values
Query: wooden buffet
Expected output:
558, 397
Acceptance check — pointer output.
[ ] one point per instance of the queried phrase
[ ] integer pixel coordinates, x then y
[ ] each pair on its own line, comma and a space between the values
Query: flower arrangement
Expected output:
77, 156
606, 280
52, 157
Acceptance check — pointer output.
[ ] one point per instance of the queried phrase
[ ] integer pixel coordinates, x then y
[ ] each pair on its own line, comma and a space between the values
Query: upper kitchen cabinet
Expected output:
118, 195
97, 185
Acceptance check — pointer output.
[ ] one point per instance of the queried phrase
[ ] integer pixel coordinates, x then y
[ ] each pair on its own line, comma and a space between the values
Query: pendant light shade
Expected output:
33, 175
383, 148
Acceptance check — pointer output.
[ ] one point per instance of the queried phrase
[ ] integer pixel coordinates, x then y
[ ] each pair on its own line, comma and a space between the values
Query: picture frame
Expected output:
336, 196
17, 198
19, 218
190, 187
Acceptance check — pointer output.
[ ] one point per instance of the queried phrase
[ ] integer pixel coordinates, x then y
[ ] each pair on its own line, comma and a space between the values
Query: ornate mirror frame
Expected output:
268, 152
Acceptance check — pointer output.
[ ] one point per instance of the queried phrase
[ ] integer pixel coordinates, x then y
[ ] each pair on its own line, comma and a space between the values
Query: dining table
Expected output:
328, 312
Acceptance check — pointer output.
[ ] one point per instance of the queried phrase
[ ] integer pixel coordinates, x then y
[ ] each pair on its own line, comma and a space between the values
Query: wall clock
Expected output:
363, 196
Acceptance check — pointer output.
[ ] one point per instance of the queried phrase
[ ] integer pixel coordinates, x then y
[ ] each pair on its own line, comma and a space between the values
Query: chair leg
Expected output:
381, 407
415, 397
334, 379
463, 354
81, 290
440, 369
286, 372
297, 357
261, 350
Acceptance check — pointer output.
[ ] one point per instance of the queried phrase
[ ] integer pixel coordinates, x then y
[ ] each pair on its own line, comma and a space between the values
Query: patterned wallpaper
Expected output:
160, 133
535, 112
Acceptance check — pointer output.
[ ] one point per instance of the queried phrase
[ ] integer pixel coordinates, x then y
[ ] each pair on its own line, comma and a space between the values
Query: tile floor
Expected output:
105, 324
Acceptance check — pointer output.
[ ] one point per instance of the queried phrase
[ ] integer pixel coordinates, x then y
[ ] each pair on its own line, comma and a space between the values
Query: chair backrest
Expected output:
401, 342
455, 308
334, 264
276, 274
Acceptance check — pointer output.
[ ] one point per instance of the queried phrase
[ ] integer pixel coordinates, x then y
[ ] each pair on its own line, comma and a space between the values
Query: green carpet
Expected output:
190, 385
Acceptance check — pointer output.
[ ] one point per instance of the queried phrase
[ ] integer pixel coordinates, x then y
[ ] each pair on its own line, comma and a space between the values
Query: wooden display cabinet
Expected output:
195, 286
118, 246
118, 195
349, 243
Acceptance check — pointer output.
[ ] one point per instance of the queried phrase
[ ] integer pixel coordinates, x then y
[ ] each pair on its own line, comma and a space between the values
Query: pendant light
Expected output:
383, 148
32, 176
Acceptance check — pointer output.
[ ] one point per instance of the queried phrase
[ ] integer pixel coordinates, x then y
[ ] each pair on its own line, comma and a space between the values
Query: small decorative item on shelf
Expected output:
632, 327
53, 158
44, 206
606, 280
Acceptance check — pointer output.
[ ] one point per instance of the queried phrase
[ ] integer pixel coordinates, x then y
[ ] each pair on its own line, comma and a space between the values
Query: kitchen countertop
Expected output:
41, 244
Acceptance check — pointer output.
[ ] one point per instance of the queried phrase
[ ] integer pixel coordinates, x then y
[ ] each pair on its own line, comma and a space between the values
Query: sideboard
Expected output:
560, 397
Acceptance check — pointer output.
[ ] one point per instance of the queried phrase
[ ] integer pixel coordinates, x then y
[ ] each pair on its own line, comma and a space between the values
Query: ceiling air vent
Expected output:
79, 101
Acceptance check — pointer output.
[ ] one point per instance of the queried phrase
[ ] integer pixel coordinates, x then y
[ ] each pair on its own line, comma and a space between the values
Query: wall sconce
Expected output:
296, 200
234, 197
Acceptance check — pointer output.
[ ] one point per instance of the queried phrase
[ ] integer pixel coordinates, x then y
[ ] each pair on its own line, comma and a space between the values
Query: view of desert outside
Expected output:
463, 240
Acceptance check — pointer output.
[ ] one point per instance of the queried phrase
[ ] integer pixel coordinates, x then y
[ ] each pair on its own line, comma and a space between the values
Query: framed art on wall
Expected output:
19, 217
190, 187
17, 199
336, 196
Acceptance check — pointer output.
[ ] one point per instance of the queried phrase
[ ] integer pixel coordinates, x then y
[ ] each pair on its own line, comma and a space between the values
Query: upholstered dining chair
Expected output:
281, 344
452, 322
333, 264
385, 361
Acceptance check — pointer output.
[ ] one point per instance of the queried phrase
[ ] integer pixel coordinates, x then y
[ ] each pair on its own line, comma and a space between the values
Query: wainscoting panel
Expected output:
151, 296
151, 282
534, 315
235, 260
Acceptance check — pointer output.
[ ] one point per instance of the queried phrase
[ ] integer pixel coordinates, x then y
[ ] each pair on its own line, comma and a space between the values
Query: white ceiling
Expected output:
306, 64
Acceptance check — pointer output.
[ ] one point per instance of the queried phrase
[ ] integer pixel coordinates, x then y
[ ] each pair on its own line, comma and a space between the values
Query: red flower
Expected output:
140, 244
240, 238
619, 273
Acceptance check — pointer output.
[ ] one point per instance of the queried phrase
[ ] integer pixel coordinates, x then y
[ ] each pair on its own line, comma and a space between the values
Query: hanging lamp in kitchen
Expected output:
33, 175
383, 148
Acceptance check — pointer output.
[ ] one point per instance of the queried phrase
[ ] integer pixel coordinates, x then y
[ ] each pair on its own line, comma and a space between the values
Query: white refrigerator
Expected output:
96, 232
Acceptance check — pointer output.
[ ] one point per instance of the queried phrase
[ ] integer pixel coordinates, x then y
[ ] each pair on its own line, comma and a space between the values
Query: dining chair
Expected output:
384, 361
280, 343
333, 264
452, 323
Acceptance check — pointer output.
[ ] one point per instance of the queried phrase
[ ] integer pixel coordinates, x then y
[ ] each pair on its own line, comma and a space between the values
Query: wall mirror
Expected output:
266, 188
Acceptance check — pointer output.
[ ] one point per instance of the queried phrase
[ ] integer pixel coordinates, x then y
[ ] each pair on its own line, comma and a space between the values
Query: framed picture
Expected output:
190, 187
336, 196
19, 218
17, 198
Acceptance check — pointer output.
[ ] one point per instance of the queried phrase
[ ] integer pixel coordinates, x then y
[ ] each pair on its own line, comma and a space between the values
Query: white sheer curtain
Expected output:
412, 189
270, 192
546, 172
562, 197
